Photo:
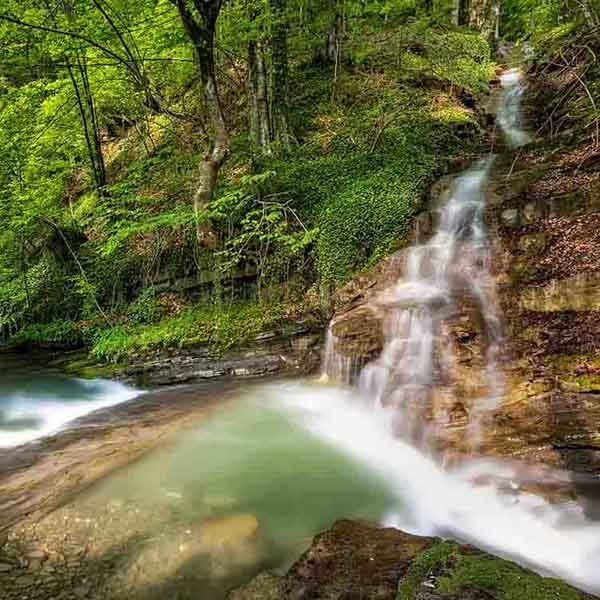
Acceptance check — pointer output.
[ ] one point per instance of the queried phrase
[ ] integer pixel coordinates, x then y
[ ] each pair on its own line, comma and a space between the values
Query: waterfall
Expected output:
415, 371
417, 358
509, 112
334, 365
386, 422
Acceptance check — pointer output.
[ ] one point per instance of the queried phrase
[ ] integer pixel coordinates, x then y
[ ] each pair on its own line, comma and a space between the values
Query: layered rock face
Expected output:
297, 350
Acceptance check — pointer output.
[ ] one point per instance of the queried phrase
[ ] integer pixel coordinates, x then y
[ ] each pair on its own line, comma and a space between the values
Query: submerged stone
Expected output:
228, 531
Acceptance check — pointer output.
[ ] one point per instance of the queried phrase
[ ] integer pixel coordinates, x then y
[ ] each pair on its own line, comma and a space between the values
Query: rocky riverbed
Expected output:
38, 477
73, 556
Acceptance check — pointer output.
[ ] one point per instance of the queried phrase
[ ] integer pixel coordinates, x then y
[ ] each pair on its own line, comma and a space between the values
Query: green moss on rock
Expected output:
424, 564
451, 572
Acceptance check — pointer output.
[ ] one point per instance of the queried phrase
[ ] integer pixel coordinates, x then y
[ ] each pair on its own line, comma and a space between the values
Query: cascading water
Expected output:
453, 267
417, 357
336, 366
387, 430
509, 114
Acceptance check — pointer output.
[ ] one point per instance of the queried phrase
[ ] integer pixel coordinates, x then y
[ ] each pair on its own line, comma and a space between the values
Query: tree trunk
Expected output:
264, 116
201, 31
252, 85
483, 15
334, 44
91, 106
89, 126
87, 110
258, 95
279, 99
461, 10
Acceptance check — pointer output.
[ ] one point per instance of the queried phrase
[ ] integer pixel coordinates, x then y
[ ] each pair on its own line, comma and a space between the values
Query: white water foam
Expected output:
551, 539
43, 415
509, 108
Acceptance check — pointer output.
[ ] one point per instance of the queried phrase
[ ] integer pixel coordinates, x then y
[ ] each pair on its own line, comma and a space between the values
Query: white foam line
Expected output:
54, 414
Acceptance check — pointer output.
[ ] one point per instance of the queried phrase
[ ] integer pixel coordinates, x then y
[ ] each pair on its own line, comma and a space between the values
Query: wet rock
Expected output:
358, 333
510, 217
578, 293
35, 564
24, 581
356, 560
6, 567
265, 586
232, 530
81, 591
353, 559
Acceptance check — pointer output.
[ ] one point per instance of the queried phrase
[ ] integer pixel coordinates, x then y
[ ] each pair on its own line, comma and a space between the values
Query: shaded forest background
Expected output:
175, 172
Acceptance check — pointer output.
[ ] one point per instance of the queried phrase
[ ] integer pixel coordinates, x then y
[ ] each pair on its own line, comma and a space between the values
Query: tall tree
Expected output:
334, 41
86, 107
460, 12
199, 18
279, 94
258, 93
257, 80
484, 15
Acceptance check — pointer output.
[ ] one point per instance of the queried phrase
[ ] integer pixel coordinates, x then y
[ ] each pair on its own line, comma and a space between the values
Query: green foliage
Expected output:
334, 202
531, 17
57, 333
461, 58
267, 231
145, 308
220, 326
365, 166
456, 569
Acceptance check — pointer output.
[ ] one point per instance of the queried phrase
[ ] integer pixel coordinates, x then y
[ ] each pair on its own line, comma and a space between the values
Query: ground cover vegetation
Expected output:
176, 172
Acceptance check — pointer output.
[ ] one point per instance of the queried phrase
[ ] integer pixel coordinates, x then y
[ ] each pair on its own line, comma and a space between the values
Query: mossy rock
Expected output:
533, 244
353, 559
577, 373
522, 271
87, 368
448, 571
580, 384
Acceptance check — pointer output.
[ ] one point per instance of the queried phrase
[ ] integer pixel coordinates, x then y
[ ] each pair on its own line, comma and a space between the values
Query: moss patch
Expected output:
452, 571
220, 326
422, 566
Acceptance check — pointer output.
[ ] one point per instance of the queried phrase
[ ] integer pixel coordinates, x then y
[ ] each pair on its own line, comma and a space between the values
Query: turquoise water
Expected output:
245, 490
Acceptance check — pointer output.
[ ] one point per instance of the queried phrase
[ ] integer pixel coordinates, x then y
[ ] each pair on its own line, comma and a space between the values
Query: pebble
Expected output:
25, 581
81, 591
35, 564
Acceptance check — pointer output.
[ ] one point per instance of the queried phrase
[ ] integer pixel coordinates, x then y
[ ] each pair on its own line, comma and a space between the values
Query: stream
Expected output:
37, 402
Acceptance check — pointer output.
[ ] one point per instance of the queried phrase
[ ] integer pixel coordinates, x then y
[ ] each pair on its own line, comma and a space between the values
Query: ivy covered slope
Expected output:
101, 243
